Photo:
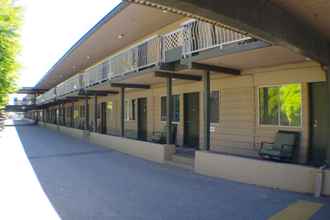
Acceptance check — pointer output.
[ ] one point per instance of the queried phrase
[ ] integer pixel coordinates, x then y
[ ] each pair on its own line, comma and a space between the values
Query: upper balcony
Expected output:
46, 97
138, 57
72, 84
192, 38
196, 37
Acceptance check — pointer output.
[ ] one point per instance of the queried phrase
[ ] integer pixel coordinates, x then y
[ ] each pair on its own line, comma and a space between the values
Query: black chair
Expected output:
283, 148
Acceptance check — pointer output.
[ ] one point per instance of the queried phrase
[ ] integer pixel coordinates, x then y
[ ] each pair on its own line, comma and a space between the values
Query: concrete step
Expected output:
181, 165
182, 161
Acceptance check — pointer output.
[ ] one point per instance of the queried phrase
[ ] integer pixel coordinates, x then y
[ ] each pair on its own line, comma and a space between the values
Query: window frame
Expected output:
174, 122
279, 112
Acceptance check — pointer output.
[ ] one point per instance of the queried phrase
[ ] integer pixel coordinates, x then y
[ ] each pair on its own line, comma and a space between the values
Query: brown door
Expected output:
191, 120
142, 119
319, 123
103, 118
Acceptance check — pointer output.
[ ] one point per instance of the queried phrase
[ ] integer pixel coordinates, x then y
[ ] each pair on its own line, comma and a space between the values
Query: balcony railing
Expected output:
46, 97
199, 36
97, 74
193, 37
72, 84
138, 57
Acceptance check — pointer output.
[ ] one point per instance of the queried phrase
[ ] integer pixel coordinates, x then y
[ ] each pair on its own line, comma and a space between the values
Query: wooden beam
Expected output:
75, 97
97, 92
30, 90
213, 68
166, 74
130, 85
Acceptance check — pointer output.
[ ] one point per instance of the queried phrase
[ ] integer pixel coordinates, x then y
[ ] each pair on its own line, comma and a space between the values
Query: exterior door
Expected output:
191, 120
103, 118
319, 122
142, 119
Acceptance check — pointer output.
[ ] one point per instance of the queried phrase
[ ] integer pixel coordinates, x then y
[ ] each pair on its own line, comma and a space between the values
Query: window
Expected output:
175, 106
280, 105
214, 106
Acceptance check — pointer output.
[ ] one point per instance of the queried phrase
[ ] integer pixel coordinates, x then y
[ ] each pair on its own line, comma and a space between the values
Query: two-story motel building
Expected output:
228, 92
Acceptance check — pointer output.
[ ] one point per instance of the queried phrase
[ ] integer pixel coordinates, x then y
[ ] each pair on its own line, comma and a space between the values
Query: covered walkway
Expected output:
85, 181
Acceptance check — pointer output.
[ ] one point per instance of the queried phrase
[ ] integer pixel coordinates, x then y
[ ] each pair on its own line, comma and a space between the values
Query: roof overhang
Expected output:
130, 21
301, 26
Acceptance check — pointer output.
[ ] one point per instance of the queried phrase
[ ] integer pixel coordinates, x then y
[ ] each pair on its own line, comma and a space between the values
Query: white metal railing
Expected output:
70, 85
39, 99
171, 41
97, 74
192, 37
46, 97
199, 36
141, 56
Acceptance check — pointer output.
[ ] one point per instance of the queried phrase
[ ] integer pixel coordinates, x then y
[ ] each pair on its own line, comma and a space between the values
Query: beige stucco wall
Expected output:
283, 176
238, 130
146, 150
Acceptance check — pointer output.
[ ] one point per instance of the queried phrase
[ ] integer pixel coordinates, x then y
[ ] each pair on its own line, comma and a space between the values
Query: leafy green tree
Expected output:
10, 22
291, 104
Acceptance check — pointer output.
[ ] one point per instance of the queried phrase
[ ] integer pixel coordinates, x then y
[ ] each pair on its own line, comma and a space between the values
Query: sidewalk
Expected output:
22, 196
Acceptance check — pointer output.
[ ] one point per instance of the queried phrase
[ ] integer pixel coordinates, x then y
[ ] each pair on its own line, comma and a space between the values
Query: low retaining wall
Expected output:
77, 133
326, 186
283, 176
146, 150
48, 125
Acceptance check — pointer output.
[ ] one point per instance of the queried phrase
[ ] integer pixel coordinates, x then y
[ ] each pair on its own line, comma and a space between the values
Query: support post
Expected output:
122, 111
95, 113
63, 114
34, 101
206, 116
72, 114
328, 103
57, 111
169, 110
86, 114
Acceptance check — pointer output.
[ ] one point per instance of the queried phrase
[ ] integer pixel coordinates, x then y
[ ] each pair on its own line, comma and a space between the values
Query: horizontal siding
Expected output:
237, 130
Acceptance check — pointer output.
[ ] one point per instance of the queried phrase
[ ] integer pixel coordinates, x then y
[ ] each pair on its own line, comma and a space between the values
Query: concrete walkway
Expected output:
85, 181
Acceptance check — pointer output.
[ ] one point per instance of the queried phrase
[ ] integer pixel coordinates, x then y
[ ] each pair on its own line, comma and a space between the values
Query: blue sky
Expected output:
50, 28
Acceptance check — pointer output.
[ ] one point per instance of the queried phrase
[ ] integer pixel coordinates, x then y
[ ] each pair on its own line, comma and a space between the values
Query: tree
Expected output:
10, 22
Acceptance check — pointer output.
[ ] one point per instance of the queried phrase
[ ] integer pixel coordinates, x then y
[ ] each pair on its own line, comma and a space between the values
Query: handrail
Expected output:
193, 37
70, 85
97, 74
46, 97
199, 36
141, 56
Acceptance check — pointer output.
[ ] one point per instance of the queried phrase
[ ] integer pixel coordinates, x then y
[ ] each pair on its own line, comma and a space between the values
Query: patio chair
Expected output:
160, 136
283, 148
